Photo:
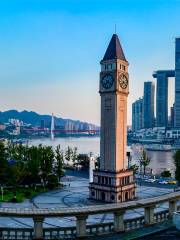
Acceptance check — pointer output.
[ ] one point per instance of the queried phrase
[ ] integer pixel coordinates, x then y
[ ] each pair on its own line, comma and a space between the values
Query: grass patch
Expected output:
21, 194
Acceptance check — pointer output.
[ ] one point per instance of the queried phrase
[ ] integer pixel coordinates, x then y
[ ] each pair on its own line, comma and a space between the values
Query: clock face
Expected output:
107, 81
123, 81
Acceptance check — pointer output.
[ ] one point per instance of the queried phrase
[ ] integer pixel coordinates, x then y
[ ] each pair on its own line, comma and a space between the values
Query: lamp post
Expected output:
140, 169
91, 166
128, 154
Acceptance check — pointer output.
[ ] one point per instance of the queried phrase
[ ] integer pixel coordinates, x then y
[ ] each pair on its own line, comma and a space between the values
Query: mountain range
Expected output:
33, 118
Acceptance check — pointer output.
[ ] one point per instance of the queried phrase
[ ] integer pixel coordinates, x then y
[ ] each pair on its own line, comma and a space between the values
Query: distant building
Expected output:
177, 84
69, 126
2, 126
137, 115
173, 133
162, 77
15, 122
42, 124
148, 105
16, 131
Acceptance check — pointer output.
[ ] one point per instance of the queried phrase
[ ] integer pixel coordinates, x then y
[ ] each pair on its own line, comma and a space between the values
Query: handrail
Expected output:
88, 210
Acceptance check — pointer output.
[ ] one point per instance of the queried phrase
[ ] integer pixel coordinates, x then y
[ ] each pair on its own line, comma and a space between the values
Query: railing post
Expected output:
119, 221
81, 226
38, 228
172, 207
149, 215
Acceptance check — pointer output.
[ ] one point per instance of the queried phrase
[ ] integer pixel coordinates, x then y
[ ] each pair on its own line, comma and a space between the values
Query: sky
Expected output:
50, 51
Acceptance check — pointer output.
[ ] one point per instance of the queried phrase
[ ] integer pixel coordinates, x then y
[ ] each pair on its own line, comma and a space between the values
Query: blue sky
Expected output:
50, 51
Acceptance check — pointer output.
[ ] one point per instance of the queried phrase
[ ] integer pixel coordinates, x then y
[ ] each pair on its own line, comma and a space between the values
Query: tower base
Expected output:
112, 187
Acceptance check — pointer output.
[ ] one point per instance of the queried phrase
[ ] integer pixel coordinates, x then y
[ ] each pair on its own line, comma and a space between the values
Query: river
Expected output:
159, 160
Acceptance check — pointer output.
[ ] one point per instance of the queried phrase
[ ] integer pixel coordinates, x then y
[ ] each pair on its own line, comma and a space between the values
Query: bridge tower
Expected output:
52, 127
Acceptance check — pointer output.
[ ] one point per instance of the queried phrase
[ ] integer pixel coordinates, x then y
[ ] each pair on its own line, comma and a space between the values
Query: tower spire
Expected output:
114, 50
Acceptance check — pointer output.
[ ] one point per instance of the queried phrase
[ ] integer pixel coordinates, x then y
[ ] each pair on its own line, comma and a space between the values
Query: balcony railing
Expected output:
82, 229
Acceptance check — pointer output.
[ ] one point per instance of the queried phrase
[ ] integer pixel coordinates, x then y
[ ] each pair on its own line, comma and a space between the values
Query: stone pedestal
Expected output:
112, 186
81, 226
172, 207
149, 215
38, 228
119, 221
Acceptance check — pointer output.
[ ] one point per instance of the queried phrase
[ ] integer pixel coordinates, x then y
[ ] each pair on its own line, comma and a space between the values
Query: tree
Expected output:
74, 156
21, 164
134, 168
97, 163
145, 160
33, 165
166, 173
59, 162
46, 156
83, 160
16, 173
52, 181
68, 154
177, 165
3, 163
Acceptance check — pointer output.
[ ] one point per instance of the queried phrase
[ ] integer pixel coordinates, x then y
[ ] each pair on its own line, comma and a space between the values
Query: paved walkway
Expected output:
75, 193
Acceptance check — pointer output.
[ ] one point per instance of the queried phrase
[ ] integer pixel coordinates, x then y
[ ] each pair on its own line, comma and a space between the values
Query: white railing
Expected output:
82, 229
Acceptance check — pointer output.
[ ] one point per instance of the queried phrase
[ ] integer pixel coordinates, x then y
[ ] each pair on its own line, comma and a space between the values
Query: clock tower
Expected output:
113, 182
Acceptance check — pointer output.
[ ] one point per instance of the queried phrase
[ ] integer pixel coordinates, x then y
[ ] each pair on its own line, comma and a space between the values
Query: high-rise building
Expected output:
162, 100
113, 182
134, 116
162, 77
177, 84
137, 115
148, 105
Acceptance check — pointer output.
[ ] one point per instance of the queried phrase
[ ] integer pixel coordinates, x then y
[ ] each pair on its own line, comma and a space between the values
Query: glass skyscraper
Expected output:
177, 85
137, 114
162, 77
148, 105
162, 100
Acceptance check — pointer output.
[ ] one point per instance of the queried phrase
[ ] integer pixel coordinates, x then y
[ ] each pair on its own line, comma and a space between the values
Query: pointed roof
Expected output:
114, 50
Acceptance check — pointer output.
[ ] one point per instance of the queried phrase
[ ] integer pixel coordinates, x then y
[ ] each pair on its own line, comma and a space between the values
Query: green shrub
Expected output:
27, 194
52, 181
166, 173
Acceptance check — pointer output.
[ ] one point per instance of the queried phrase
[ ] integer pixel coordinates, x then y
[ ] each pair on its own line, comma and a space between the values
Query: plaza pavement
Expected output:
74, 194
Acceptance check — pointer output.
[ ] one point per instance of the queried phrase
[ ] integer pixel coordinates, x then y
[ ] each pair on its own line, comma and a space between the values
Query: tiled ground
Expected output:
75, 193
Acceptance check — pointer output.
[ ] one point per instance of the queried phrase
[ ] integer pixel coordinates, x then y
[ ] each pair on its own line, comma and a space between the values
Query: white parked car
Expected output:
163, 182
150, 180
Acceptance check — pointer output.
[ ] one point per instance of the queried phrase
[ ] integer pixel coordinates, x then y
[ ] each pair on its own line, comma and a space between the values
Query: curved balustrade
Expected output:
83, 229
